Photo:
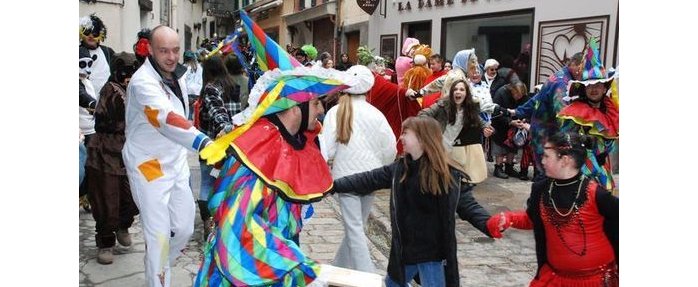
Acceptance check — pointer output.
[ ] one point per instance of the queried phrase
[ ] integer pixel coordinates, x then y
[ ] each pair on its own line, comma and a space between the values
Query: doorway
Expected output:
353, 40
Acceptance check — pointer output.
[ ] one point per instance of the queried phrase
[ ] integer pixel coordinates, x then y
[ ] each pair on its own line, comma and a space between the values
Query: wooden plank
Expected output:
343, 277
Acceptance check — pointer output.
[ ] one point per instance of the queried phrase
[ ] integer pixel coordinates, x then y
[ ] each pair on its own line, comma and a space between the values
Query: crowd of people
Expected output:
422, 129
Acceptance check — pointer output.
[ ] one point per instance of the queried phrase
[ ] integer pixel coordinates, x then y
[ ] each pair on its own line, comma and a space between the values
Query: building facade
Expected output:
125, 18
533, 36
333, 26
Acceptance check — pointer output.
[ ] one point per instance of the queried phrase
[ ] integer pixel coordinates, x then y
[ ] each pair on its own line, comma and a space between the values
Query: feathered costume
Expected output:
602, 122
542, 110
416, 76
258, 197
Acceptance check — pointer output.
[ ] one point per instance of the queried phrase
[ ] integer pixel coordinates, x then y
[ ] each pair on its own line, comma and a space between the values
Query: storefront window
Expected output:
503, 37
418, 30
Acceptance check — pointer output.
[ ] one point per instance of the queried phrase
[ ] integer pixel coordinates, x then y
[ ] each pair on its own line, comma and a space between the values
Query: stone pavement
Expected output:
320, 239
482, 261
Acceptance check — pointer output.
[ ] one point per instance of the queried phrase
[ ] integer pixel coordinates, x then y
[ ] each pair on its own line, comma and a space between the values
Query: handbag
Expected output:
516, 138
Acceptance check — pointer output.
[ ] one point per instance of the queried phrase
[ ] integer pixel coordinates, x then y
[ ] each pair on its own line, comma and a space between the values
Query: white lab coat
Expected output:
155, 154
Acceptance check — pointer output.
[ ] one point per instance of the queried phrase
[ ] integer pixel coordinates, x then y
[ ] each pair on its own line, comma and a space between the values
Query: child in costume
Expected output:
573, 217
87, 102
112, 203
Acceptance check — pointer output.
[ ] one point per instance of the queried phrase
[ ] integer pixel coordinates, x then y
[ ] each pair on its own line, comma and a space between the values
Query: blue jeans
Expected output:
206, 180
83, 158
431, 274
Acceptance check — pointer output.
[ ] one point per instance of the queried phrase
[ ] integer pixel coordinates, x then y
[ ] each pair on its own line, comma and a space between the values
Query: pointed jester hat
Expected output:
285, 84
276, 91
593, 71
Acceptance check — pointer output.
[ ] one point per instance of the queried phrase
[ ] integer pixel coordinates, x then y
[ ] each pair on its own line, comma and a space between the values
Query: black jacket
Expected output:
343, 66
500, 122
504, 76
458, 200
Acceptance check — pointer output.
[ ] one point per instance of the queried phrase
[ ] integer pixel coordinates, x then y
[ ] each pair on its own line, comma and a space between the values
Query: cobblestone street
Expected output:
482, 261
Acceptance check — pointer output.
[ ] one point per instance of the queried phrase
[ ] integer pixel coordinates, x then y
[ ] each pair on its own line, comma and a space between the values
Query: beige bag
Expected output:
472, 158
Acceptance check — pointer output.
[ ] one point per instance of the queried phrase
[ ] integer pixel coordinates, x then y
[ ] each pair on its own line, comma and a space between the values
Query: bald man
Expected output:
155, 153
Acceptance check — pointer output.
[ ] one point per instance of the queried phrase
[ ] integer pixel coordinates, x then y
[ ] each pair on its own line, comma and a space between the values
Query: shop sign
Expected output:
407, 6
369, 6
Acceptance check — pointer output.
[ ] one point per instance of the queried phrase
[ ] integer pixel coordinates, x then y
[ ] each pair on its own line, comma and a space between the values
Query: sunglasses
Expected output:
93, 33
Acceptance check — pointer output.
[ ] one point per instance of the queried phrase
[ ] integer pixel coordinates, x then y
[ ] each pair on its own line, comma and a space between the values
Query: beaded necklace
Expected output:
574, 203
562, 221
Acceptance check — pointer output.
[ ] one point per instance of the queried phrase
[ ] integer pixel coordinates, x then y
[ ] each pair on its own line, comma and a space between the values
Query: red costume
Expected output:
390, 99
576, 230
432, 98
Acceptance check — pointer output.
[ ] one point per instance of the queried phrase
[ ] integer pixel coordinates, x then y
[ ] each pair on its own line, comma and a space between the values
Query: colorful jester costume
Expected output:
258, 197
600, 120
542, 110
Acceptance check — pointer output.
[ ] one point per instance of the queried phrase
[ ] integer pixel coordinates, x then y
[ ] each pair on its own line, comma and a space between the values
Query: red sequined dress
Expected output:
580, 233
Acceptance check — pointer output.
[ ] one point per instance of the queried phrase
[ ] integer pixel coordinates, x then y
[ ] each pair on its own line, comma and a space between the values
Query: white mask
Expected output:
85, 64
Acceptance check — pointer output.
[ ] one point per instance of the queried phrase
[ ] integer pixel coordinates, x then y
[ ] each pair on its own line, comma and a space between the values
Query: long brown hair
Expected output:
345, 116
471, 109
216, 73
434, 174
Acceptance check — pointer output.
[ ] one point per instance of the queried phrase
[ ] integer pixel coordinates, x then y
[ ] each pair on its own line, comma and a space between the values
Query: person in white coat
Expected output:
194, 78
155, 154
356, 137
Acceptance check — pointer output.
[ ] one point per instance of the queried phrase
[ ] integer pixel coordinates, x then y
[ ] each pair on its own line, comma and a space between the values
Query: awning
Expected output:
312, 13
261, 6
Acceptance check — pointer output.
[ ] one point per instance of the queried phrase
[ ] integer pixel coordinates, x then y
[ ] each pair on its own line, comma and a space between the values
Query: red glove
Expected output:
500, 222
493, 225
518, 220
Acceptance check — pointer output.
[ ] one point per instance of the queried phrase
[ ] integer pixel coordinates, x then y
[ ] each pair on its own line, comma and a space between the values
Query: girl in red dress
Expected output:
573, 217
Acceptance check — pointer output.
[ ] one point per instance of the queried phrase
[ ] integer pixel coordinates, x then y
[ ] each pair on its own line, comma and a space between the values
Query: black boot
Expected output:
523, 175
509, 170
205, 217
499, 171
203, 209
489, 150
